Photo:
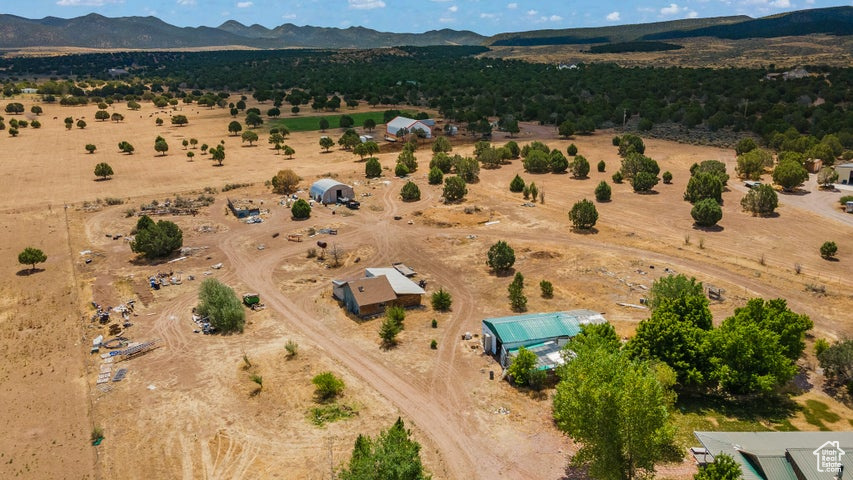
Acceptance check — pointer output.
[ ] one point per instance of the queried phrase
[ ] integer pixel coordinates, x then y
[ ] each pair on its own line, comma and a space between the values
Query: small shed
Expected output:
368, 296
408, 293
845, 173
329, 190
243, 209
506, 334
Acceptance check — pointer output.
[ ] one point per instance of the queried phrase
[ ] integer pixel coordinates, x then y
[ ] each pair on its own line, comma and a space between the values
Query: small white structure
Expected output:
29, 90
845, 173
329, 190
410, 124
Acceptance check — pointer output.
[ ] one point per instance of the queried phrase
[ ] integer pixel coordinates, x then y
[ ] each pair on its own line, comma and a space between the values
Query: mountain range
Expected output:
99, 32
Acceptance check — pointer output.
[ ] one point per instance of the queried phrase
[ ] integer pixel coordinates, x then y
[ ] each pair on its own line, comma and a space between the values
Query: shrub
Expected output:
327, 386
828, 250
401, 170
706, 212
410, 192
454, 189
601, 166
523, 363
644, 182
388, 331
761, 200
704, 185
517, 185
501, 257
602, 192
789, 175
559, 163
300, 209
441, 301
617, 177
434, 323
156, 240
292, 348
572, 150
580, 167
435, 176
433, 344
846, 198
285, 182
667, 177
221, 305
583, 215
547, 289
372, 168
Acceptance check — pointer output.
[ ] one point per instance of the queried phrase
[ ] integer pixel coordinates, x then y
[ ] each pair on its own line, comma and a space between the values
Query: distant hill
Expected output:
831, 21
97, 31
616, 33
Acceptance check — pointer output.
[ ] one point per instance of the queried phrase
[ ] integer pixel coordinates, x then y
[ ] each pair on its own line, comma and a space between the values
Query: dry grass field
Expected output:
704, 52
189, 409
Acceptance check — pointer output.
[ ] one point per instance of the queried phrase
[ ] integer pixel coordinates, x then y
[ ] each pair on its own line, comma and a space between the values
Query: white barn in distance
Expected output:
410, 124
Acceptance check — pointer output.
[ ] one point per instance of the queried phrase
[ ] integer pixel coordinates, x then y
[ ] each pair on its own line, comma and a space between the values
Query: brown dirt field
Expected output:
186, 411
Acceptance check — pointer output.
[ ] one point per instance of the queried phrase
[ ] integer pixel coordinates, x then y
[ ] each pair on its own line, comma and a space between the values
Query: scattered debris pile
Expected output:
178, 206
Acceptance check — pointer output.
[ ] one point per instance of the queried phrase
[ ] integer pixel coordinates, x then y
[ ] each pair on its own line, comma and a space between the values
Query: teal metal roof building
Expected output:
781, 455
505, 334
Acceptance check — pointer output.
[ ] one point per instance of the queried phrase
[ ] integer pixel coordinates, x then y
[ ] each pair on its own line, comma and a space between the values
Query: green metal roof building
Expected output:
781, 455
504, 334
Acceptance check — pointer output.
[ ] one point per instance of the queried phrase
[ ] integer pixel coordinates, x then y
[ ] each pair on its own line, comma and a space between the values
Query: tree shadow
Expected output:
103, 179
648, 192
769, 215
770, 408
831, 259
576, 473
26, 272
800, 192
711, 229
585, 231
509, 272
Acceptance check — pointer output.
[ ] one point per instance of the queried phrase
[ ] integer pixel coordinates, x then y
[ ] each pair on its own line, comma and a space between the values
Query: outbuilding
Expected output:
544, 333
410, 124
845, 173
329, 190
408, 293
368, 296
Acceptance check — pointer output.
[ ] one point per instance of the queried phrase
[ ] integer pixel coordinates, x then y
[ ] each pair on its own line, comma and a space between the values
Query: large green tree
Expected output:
103, 170
156, 240
761, 200
31, 256
500, 257
617, 408
221, 306
706, 212
704, 185
789, 175
724, 467
454, 189
673, 287
372, 168
522, 364
583, 215
393, 455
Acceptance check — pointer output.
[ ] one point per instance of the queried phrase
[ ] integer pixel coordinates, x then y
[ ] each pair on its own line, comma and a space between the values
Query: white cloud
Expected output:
532, 12
614, 17
692, 14
289, 16
781, 3
488, 15
446, 20
244, 4
187, 3
512, 6
672, 9
86, 3
453, 8
365, 4
555, 18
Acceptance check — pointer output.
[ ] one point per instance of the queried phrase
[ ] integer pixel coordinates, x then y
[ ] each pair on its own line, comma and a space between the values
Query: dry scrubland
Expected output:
704, 52
187, 411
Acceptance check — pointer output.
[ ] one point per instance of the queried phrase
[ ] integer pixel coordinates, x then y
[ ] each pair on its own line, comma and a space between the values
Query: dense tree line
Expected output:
465, 88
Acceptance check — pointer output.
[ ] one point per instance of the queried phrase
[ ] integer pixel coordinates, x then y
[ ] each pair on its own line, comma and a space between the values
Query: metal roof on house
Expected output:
777, 455
320, 186
400, 284
371, 291
541, 326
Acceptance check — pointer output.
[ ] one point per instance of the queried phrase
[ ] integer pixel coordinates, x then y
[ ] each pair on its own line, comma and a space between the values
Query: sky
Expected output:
486, 17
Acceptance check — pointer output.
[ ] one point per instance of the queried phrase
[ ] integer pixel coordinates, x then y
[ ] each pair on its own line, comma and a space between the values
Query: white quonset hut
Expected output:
410, 124
328, 190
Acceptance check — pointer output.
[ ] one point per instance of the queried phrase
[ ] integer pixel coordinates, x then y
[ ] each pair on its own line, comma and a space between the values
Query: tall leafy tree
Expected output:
673, 287
156, 240
500, 257
103, 170
221, 306
393, 455
724, 467
617, 408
